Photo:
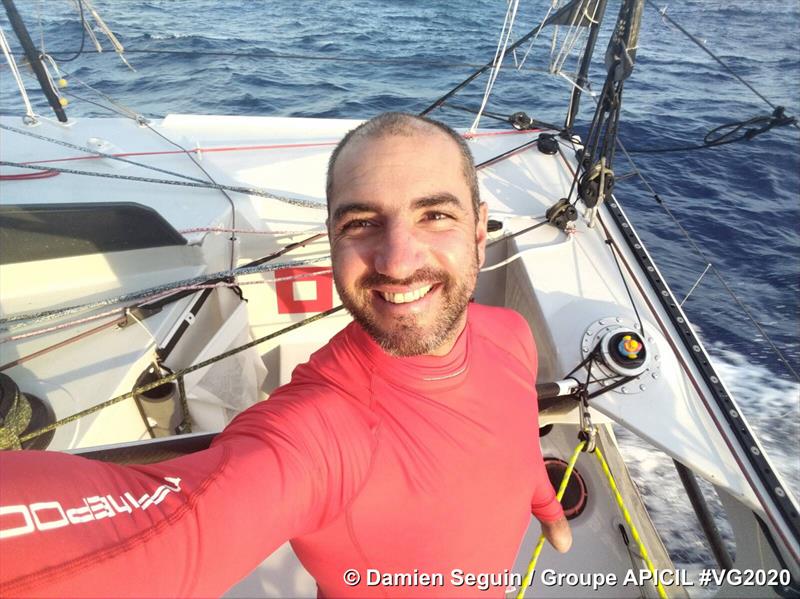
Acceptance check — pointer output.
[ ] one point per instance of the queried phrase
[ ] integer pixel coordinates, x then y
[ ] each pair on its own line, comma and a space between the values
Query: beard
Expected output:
412, 334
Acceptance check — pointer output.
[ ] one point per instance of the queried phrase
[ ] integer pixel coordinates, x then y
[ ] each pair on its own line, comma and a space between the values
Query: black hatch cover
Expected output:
45, 231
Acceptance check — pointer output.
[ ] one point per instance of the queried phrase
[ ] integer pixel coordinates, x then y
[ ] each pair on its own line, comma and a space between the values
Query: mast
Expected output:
583, 73
35, 59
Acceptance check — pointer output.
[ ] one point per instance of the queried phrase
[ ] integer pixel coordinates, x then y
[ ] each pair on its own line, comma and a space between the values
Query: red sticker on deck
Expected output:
302, 291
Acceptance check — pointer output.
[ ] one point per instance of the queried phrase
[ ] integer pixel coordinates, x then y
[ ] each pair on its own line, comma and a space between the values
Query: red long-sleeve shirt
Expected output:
365, 461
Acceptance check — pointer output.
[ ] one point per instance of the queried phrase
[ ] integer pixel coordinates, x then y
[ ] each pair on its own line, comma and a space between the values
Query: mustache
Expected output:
423, 275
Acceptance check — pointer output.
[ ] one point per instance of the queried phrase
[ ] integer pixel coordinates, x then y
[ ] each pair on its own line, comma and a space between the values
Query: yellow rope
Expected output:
625, 514
535, 557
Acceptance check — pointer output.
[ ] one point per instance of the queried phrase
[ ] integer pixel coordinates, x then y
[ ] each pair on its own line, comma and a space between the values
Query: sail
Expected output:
576, 13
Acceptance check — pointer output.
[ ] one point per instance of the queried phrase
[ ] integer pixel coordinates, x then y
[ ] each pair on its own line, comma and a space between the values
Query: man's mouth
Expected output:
407, 296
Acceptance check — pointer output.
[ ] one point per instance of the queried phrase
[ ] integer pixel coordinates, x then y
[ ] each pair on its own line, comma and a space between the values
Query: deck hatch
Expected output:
46, 231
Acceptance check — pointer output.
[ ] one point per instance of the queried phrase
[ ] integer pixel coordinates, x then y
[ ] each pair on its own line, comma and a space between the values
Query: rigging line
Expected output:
311, 57
510, 259
575, 31
507, 154
696, 283
213, 181
286, 233
499, 56
123, 110
714, 269
98, 153
83, 37
169, 295
480, 71
179, 374
702, 46
48, 349
553, 4
12, 64
103, 106
776, 119
516, 233
21, 319
614, 250
238, 189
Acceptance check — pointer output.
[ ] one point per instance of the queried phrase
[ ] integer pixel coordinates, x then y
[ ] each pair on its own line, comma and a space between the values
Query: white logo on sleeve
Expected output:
22, 519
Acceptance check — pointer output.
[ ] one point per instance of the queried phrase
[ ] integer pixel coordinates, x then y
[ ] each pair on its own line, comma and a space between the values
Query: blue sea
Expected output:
739, 203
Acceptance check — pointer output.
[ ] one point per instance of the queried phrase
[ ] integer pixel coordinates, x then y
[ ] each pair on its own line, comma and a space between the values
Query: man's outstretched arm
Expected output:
558, 534
191, 526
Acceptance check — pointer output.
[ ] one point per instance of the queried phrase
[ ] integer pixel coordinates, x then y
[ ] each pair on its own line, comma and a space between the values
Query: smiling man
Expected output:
401, 460
407, 232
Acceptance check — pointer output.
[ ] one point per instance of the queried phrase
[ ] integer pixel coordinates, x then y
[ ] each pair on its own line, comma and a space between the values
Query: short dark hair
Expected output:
404, 124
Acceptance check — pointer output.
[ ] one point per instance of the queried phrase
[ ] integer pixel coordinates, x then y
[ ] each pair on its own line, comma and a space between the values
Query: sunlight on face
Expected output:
405, 241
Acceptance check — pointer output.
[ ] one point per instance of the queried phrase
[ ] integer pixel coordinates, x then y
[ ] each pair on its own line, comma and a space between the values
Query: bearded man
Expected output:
408, 443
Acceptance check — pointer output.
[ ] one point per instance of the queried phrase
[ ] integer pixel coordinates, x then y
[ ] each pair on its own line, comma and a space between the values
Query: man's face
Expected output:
405, 241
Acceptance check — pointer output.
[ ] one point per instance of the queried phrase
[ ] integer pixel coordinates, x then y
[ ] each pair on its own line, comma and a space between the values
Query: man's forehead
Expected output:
418, 134
426, 153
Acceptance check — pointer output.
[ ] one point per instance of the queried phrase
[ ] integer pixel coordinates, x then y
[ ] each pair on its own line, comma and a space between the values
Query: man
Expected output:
409, 443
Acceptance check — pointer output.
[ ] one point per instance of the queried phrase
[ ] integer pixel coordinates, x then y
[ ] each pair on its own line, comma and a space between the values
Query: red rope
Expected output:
25, 176
240, 149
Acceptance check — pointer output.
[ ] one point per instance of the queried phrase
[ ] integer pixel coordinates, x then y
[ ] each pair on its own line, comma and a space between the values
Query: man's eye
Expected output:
437, 216
356, 224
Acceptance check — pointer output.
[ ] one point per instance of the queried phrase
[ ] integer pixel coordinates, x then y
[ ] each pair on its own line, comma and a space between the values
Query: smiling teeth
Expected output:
408, 296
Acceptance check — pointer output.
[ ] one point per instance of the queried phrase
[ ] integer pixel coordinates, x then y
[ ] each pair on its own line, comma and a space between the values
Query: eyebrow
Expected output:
346, 209
438, 199
431, 201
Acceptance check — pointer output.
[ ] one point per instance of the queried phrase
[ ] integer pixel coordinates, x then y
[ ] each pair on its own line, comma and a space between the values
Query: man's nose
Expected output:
400, 253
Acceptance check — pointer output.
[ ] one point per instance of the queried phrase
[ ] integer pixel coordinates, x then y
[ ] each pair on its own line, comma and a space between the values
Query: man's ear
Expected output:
481, 232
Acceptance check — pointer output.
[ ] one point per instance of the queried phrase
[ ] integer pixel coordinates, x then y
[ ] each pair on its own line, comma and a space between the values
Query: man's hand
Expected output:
558, 534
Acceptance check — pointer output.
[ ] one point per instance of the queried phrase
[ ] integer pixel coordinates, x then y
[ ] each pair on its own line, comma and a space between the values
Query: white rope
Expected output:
576, 31
696, 283
553, 4
30, 115
557, 59
513, 257
118, 47
576, 86
499, 55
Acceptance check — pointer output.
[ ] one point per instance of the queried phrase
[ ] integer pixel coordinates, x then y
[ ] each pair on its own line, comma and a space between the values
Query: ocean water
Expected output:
740, 203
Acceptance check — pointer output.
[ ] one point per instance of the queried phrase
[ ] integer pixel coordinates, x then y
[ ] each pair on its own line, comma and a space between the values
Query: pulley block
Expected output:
589, 188
561, 214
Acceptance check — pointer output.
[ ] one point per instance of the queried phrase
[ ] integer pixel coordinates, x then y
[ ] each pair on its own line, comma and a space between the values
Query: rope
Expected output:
575, 31
499, 55
696, 283
268, 54
626, 515
12, 64
235, 188
714, 269
83, 36
171, 292
175, 375
526, 582
535, 557
553, 4
15, 422
702, 46
777, 119
21, 319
